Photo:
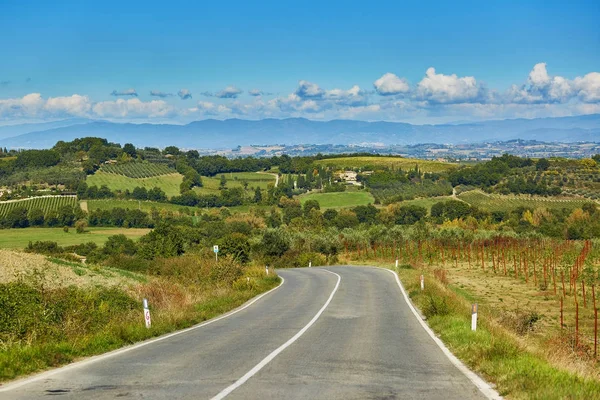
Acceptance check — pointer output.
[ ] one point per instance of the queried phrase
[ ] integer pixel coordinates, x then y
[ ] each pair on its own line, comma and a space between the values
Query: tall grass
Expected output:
42, 328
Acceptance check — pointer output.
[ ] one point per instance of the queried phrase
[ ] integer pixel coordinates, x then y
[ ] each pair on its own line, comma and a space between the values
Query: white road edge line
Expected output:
91, 360
225, 392
482, 385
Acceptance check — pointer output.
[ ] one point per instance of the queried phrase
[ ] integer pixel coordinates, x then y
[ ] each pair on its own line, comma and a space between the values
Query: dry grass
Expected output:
16, 266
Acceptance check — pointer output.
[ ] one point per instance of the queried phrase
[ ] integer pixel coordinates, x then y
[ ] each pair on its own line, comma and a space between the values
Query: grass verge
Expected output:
492, 351
42, 328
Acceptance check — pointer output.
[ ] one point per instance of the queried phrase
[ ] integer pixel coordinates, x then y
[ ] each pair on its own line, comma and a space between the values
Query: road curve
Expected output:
344, 335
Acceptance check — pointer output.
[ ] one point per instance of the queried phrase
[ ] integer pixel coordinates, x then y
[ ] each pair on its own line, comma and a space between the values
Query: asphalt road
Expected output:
334, 333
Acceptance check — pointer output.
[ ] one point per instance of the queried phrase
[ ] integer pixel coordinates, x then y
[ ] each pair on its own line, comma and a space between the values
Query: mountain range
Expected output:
222, 134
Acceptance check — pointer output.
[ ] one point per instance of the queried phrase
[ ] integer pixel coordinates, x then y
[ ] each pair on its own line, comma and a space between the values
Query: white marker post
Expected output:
396, 263
310, 264
216, 250
474, 317
422, 282
267, 269
147, 314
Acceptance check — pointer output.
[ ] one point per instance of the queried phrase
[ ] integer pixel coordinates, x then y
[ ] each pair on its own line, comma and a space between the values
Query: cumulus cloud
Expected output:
230, 92
209, 108
309, 90
448, 89
133, 108
71, 105
588, 87
184, 94
353, 97
255, 92
296, 104
126, 92
162, 95
542, 88
390, 84
35, 106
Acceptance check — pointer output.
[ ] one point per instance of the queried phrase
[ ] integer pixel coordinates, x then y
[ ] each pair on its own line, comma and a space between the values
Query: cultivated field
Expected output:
44, 203
496, 202
339, 199
168, 183
388, 162
19, 238
146, 206
138, 170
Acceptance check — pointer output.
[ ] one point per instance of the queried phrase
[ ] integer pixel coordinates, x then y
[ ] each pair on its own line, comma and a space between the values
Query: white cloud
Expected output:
309, 90
35, 106
447, 89
255, 92
208, 108
72, 105
588, 87
542, 88
133, 108
390, 84
353, 97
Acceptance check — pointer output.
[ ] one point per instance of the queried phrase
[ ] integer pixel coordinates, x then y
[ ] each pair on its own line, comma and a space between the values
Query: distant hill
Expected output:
216, 134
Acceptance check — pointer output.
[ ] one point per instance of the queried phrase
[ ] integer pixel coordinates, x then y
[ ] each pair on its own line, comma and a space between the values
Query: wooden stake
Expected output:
562, 322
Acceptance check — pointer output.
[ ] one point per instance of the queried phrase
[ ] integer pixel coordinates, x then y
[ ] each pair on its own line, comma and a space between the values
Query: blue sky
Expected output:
319, 60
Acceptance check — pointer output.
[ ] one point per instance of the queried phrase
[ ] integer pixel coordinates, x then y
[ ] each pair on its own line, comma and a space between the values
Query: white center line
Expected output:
225, 392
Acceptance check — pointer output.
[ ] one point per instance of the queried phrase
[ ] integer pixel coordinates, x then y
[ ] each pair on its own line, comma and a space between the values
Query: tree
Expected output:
310, 205
82, 188
129, 149
156, 194
223, 182
119, 244
81, 225
66, 216
104, 192
366, 214
172, 150
257, 195
140, 193
274, 242
542, 164
17, 218
237, 246
408, 215
36, 217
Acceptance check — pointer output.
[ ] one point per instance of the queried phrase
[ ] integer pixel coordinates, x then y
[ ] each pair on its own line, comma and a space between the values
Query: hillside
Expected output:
230, 133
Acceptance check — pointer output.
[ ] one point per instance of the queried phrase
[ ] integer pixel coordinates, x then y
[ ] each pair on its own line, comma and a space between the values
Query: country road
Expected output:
325, 333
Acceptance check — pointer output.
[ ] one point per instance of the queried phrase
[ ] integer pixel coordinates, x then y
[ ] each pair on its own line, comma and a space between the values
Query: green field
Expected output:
145, 206
496, 202
168, 183
138, 169
235, 179
339, 199
388, 162
43, 203
19, 238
